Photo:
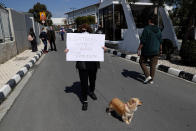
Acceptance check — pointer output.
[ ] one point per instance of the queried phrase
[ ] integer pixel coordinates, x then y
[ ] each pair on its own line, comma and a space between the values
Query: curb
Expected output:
11, 84
179, 73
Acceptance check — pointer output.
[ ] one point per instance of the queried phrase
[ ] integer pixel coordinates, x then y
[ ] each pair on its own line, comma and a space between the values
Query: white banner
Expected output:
85, 47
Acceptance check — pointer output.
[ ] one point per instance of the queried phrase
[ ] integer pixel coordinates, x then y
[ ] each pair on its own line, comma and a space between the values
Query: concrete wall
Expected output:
20, 31
7, 51
20, 23
37, 29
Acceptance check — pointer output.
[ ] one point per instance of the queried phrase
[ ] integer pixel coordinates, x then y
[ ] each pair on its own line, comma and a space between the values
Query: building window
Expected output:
93, 9
108, 22
112, 22
120, 21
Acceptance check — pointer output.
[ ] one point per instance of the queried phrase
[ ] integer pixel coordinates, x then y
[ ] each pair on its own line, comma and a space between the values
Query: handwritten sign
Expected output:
85, 47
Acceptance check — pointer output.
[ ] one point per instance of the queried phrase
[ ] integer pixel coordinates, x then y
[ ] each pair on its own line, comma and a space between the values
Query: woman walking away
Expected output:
32, 39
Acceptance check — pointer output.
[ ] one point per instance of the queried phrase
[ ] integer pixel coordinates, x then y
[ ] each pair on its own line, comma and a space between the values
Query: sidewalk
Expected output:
12, 66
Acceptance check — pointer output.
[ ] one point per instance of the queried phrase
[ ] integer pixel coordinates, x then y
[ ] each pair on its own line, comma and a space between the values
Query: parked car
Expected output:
69, 30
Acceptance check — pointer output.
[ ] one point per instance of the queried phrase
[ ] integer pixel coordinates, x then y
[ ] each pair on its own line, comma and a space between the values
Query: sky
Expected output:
56, 7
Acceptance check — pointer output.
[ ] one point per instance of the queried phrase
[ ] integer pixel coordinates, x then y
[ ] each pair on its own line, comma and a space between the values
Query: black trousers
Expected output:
45, 44
62, 36
86, 75
34, 45
52, 43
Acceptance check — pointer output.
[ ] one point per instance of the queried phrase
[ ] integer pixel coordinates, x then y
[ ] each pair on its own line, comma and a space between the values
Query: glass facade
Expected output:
141, 14
113, 21
120, 21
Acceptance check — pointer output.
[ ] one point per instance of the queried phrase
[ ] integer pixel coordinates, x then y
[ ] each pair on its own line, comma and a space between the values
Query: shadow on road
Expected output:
115, 115
133, 74
75, 88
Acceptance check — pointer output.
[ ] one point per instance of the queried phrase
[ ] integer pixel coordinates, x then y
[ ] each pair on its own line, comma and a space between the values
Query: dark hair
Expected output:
153, 19
85, 26
31, 29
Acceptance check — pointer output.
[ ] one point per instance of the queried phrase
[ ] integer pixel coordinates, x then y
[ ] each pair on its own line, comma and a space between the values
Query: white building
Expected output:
58, 21
123, 22
91, 10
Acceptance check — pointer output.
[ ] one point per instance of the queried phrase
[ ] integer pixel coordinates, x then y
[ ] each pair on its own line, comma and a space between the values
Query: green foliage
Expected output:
169, 2
158, 2
37, 8
132, 1
85, 20
188, 53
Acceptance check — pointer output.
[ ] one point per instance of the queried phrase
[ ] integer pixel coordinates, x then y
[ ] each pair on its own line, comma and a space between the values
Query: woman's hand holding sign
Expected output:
66, 51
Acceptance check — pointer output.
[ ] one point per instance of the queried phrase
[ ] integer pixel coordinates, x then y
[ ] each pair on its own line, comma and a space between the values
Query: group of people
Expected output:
46, 36
149, 48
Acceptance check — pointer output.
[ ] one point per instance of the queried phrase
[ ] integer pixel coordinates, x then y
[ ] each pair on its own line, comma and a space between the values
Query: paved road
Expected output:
50, 99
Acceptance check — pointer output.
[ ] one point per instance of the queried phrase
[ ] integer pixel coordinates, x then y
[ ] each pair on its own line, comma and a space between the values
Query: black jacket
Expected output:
51, 35
87, 65
43, 36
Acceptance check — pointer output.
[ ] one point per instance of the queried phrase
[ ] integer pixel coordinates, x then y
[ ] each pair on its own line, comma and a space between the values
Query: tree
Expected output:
86, 26
184, 15
37, 8
85, 20
132, 1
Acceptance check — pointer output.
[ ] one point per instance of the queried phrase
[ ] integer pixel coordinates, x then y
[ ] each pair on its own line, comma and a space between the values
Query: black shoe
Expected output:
55, 49
93, 96
84, 106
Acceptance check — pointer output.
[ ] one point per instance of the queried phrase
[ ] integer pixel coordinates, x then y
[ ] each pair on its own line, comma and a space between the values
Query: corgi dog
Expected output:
125, 110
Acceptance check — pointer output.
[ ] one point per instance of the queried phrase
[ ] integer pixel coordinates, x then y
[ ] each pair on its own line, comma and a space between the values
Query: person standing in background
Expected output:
62, 31
99, 30
149, 48
32, 39
52, 38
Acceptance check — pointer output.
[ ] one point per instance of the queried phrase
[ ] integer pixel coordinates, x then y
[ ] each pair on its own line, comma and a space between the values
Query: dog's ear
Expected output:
140, 103
132, 101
